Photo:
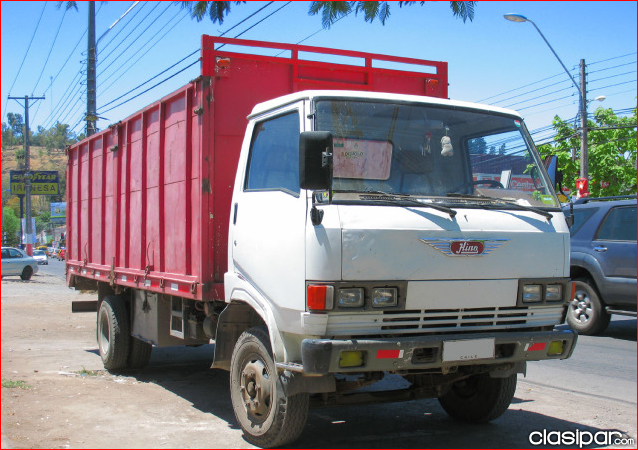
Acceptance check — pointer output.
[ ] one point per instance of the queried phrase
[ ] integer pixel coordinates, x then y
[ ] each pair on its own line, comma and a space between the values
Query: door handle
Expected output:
600, 249
235, 214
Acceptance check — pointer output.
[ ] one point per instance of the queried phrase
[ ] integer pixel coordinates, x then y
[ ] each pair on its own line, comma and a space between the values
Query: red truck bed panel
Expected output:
148, 199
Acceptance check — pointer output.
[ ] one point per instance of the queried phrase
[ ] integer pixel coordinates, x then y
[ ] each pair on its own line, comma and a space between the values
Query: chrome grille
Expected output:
443, 320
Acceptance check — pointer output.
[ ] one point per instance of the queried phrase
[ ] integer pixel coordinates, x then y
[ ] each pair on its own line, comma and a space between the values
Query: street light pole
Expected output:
582, 108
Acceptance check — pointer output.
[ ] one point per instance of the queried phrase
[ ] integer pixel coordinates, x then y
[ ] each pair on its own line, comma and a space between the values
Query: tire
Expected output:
139, 354
26, 273
586, 313
479, 398
113, 336
267, 417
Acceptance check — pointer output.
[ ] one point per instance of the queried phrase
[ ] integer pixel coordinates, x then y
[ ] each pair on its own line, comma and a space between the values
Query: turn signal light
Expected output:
320, 297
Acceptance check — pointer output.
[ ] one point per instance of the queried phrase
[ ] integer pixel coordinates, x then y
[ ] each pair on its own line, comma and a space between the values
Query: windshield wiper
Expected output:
406, 198
496, 201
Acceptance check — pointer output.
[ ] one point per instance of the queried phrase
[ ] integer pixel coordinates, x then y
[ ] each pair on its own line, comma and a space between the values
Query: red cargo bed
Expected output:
148, 199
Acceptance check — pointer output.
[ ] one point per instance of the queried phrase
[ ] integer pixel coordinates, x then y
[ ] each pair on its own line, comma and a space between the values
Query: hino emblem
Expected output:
465, 247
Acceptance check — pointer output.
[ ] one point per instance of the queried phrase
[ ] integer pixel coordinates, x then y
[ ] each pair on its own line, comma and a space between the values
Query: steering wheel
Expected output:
492, 183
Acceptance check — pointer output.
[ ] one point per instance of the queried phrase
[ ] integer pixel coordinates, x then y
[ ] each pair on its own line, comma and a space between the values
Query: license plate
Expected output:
468, 349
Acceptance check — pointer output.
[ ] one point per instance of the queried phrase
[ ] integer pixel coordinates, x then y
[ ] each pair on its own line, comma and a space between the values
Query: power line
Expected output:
120, 72
152, 87
252, 15
50, 50
24, 58
130, 21
150, 79
106, 57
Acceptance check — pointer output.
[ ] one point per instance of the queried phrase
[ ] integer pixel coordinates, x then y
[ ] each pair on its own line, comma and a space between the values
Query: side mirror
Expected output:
315, 160
555, 175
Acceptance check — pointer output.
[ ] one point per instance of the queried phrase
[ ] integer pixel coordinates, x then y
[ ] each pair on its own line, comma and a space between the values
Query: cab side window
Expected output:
274, 155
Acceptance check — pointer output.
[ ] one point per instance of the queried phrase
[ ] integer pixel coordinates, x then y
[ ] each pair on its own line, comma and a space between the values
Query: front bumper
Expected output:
324, 356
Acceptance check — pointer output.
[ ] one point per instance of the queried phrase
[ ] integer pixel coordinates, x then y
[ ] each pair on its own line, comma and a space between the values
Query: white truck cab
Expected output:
374, 234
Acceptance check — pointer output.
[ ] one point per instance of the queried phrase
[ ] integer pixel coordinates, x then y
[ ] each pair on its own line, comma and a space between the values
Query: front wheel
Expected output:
267, 416
479, 398
26, 273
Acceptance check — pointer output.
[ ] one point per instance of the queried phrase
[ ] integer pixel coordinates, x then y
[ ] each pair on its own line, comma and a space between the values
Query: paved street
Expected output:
178, 402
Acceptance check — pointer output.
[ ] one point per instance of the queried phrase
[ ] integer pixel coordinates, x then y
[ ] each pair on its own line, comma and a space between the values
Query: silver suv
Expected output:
603, 261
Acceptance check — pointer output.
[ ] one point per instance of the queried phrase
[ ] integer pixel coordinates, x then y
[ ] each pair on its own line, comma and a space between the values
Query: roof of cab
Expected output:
278, 102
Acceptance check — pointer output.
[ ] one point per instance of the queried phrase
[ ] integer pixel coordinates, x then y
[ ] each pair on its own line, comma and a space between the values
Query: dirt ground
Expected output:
65, 399
56, 394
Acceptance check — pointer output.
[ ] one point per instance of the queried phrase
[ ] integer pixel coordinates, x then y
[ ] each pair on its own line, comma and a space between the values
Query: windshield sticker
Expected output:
362, 159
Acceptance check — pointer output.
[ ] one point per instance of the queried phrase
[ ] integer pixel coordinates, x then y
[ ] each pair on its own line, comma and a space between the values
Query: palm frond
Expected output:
330, 11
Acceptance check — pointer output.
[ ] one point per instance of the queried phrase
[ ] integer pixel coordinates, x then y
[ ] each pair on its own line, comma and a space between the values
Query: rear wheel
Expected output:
267, 416
26, 273
139, 354
479, 398
586, 312
113, 334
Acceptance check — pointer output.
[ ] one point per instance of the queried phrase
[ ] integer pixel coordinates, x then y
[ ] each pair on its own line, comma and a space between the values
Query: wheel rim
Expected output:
581, 307
256, 386
103, 334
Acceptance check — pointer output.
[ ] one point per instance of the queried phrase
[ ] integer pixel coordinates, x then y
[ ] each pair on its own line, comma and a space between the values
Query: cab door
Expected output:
267, 230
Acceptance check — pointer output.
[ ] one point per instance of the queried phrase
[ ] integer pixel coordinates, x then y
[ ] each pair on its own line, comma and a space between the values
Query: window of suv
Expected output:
619, 225
581, 216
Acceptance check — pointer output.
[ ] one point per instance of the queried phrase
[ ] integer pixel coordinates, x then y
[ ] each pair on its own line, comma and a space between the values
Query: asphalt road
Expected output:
178, 402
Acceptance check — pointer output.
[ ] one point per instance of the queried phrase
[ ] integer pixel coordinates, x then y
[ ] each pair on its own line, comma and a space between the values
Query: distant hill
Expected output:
40, 159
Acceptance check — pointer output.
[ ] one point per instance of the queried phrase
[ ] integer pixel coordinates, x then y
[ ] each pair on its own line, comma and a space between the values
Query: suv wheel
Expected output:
586, 312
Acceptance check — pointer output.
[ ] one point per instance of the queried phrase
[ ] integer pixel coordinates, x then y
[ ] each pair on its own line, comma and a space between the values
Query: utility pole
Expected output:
583, 122
91, 93
29, 231
91, 69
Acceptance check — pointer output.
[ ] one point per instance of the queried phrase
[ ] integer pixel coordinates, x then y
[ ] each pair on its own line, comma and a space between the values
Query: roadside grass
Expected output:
13, 384
88, 373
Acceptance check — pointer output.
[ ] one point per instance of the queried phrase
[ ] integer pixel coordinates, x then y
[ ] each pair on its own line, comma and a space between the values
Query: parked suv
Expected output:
603, 261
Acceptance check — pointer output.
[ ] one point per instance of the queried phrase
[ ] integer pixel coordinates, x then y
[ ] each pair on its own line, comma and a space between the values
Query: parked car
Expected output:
603, 261
50, 252
61, 254
40, 256
17, 262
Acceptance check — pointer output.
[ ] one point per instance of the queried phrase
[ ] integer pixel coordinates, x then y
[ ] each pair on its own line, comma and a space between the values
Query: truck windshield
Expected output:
446, 154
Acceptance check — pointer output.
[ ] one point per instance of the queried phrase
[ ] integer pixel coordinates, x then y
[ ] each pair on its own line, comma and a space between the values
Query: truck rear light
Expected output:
320, 297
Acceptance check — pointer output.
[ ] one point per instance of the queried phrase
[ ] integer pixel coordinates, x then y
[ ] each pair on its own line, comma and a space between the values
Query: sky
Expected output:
490, 60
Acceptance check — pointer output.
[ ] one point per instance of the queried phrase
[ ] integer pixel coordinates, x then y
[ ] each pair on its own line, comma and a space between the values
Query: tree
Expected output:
10, 226
16, 123
330, 11
611, 153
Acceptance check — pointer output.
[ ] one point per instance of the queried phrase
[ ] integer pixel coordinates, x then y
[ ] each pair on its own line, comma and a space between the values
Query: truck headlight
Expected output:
350, 298
554, 292
532, 293
384, 297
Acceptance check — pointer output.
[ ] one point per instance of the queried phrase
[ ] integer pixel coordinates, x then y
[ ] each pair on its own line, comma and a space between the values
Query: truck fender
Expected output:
242, 313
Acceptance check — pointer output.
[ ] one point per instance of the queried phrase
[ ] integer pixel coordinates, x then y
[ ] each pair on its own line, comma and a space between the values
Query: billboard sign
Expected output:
58, 213
43, 182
